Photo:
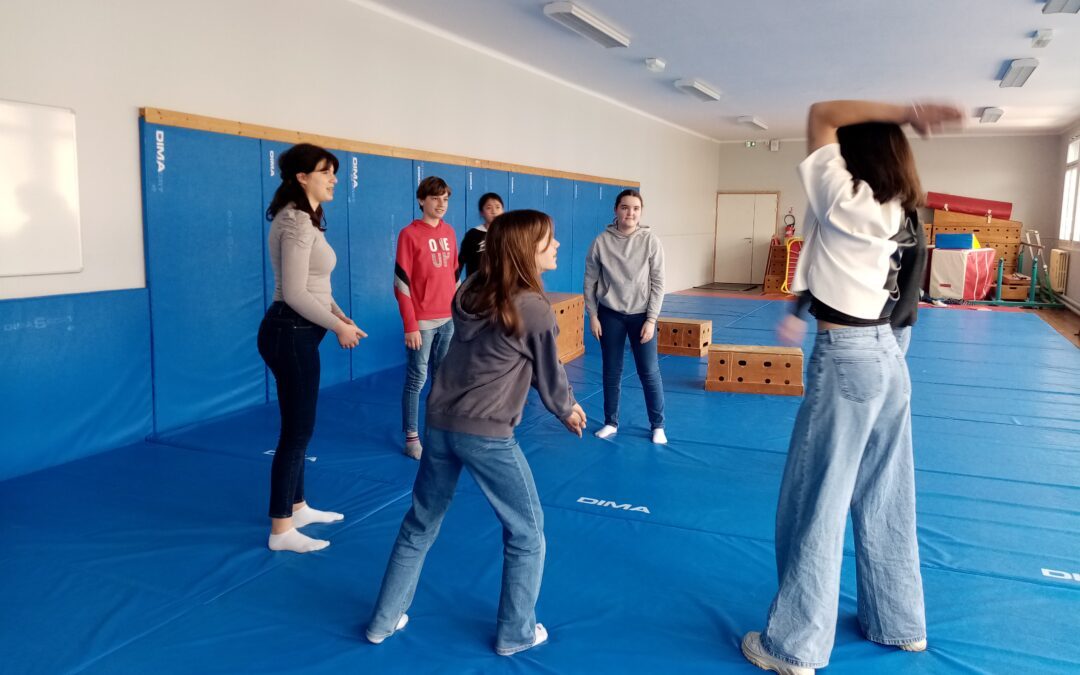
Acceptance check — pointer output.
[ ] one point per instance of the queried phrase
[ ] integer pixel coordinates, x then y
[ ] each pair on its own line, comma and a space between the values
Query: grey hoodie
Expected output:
481, 384
625, 272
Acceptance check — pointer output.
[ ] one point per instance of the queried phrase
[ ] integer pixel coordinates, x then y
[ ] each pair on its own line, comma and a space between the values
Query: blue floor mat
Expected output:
151, 558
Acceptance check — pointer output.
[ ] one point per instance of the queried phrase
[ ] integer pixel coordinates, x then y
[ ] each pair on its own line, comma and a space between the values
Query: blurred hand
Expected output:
413, 340
575, 422
648, 329
348, 335
930, 118
594, 327
791, 330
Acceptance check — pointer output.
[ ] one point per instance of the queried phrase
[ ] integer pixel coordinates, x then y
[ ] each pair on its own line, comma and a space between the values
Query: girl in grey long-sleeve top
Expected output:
624, 288
504, 340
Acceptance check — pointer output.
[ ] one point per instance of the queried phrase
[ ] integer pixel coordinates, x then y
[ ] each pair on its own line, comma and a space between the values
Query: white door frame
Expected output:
758, 237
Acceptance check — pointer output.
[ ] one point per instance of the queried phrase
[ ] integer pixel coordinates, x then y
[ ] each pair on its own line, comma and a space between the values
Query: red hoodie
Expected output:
425, 273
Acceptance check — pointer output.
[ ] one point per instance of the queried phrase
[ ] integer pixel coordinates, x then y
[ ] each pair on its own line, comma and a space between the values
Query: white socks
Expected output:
659, 437
606, 431
539, 638
400, 624
296, 542
307, 515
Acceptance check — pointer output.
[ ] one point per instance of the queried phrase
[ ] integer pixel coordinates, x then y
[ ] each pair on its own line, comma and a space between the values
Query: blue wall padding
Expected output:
457, 179
76, 377
587, 215
380, 204
204, 269
526, 192
335, 361
559, 204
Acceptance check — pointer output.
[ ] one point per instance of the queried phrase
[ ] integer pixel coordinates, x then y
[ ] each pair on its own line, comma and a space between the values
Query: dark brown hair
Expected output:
879, 154
300, 158
487, 197
432, 186
508, 267
629, 192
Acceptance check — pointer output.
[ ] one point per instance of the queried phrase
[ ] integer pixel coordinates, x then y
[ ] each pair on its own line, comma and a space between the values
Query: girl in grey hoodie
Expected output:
504, 341
624, 288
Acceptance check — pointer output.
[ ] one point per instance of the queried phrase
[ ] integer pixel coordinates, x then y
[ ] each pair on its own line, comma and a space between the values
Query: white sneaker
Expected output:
606, 431
400, 624
659, 437
756, 654
917, 646
539, 638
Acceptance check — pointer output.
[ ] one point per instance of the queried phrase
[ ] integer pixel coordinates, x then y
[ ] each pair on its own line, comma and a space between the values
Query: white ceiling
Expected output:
773, 58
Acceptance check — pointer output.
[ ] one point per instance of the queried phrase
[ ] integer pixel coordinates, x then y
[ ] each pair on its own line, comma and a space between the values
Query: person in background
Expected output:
850, 448
504, 342
472, 246
302, 311
425, 278
624, 289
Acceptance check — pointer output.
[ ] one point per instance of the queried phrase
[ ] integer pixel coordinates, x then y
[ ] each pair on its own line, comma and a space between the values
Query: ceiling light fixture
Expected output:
698, 89
990, 115
586, 24
1061, 7
753, 121
1019, 71
1042, 37
655, 64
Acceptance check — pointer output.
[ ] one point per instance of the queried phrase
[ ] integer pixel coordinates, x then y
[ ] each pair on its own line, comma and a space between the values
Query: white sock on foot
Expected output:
296, 542
659, 437
606, 431
400, 624
307, 516
917, 646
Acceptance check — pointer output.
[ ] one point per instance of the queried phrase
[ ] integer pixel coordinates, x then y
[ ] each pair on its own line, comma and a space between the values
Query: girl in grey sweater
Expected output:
624, 288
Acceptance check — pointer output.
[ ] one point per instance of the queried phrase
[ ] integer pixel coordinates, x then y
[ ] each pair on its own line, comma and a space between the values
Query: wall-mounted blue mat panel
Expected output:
335, 361
456, 177
559, 204
526, 192
381, 202
75, 377
204, 267
587, 209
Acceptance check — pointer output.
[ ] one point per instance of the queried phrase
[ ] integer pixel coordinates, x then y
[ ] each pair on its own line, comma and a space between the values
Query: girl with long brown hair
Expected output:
851, 445
504, 342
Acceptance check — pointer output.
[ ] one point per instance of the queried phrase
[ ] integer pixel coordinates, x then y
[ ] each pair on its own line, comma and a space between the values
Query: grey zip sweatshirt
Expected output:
481, 384
625, 272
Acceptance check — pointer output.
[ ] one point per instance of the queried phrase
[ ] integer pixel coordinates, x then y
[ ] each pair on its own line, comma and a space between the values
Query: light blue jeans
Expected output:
850, 448
500, 469
435, 342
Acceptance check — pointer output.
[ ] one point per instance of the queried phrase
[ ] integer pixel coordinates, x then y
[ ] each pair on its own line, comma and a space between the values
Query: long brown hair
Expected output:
508, 267
879, 153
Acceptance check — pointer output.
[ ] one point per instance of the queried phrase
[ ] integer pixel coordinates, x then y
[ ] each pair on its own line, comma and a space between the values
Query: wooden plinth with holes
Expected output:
683, 337
569, 311
749, 369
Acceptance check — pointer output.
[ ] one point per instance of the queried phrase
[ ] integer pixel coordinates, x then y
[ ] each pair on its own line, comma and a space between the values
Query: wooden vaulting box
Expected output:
755, 370
683, 337
569, 311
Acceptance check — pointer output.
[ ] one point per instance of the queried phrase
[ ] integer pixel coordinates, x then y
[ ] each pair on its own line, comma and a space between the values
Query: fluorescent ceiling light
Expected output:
753, 121
585, 24
1061, 7
1042, 37
1019, 71
698, 89
990, 115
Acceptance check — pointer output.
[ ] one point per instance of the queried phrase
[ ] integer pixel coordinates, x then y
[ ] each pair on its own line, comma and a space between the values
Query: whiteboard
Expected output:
39, 191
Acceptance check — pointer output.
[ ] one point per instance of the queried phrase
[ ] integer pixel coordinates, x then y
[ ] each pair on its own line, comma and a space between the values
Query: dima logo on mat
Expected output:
159, 144
612, 505
272, 172
1058, 574
355, 172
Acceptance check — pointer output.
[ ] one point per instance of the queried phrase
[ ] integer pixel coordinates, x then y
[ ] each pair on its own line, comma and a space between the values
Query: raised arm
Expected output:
825, 117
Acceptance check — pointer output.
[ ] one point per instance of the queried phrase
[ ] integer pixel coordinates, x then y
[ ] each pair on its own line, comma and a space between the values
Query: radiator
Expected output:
1059, 269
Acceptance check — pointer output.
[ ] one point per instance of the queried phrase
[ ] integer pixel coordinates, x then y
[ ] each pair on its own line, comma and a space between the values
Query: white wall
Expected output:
1023, 170
329, 67
1072, 288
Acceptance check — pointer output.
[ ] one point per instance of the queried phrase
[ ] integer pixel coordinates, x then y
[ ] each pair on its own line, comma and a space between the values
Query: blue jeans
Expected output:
500, 469
432, 350
615, 328
289, 344
850, 448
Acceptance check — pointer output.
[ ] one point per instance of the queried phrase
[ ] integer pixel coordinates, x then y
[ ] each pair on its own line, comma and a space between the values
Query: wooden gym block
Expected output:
569, 310
755, 370
683, 337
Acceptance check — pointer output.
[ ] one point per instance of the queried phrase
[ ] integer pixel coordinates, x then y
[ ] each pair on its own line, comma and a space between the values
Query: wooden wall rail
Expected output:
203, 123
